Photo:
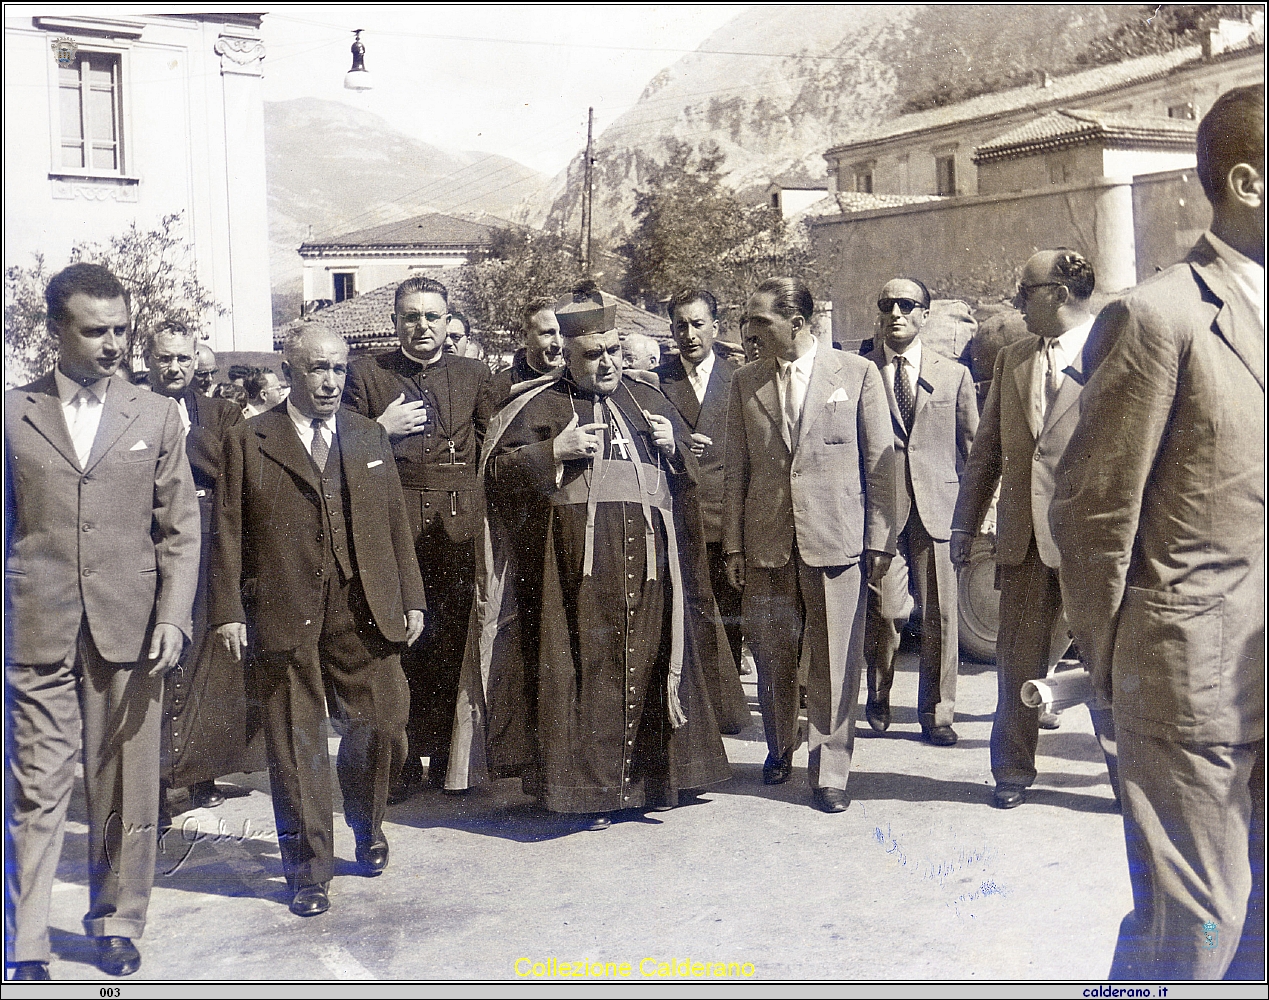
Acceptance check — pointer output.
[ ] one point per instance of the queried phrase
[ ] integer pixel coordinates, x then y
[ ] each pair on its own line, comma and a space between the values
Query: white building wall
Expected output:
193, 142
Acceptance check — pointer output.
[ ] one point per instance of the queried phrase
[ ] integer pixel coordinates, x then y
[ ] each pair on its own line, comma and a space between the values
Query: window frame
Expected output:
948, 157
120, 52
335, 277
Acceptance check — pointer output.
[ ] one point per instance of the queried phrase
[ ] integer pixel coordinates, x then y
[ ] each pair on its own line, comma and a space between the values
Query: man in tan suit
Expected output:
102, 528
1028, 418
1160, 515
808, 494
934, 413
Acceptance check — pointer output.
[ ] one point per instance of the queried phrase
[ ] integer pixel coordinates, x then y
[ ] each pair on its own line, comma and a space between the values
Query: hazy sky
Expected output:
509, 79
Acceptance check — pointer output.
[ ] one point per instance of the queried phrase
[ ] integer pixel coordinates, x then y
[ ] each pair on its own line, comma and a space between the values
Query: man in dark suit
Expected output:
1159, 515
698, 382
100, 571
435, 407
205, 727
808, 494
935, 415
1030, 413
313, 552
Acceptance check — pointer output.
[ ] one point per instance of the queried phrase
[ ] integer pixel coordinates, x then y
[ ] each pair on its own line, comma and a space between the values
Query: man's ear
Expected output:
1246, 185
286, 370
1063, 295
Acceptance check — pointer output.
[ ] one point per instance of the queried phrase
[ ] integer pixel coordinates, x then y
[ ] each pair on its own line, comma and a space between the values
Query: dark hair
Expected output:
1075, 272
257, 382
790, 297
686, 296
1232, 132
92, 280
455, 314
419, 284
238, 371
535, 305
227, 390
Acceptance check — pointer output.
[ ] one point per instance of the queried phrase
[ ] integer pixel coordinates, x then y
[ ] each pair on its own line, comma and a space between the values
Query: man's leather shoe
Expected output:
205, 795
310, 900
372, 854
1008, 796
1050, 720
878, 715
116, 956
831, 800
777, 770
940, 736
599, 821
28, 972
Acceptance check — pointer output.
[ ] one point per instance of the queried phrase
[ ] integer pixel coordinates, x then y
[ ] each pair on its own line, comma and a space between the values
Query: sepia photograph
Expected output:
658, 494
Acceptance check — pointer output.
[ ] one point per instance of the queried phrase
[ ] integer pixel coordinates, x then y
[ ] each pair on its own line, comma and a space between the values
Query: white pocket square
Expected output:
839, 396
377, 461
139, 446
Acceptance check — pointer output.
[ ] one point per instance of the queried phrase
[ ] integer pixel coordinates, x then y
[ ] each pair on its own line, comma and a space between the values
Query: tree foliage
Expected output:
156, 269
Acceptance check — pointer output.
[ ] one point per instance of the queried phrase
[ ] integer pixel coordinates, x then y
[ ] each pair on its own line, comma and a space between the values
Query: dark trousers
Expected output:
1030, 605
822, 606
1194, 828
352, 669
116, 710
432, 664
727, 597
929, 564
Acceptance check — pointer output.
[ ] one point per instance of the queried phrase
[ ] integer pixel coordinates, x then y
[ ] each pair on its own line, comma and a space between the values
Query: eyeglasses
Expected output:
905, 305
415, 318
1025, 290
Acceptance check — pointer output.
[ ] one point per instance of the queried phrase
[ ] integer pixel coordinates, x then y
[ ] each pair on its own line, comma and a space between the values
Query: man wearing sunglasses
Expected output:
1030, 413
934, 413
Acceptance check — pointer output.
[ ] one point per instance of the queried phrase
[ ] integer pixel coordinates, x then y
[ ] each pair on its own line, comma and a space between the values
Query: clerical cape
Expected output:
577, 640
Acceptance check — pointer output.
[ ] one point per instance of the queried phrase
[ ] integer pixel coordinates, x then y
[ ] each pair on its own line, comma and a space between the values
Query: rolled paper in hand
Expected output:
1061, 691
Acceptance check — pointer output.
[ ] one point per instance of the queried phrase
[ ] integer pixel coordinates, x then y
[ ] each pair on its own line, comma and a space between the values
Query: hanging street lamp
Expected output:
358, 78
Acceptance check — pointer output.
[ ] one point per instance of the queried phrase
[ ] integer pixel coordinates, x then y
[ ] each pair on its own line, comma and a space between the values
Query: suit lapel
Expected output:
1022, 375
1072, 385
926, 378
878, 357
678, 389
823, 379
117, 412
715, 393
768, 396
281, 441
45, 415
1234, 321
351, 449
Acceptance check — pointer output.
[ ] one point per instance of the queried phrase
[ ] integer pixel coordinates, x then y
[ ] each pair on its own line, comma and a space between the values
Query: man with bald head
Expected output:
204, 369
314, 578
640, 353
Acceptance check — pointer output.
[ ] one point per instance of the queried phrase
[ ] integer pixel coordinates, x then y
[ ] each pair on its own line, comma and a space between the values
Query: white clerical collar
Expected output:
303, 423
68, 388
703, 368
423, 361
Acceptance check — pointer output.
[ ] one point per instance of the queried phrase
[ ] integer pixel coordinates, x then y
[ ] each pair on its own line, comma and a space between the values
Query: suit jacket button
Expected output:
87, 527
318, 573
88, 572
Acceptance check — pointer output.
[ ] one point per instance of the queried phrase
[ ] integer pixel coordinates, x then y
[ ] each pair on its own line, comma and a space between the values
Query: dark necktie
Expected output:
1050, 375
321, 450
902, 390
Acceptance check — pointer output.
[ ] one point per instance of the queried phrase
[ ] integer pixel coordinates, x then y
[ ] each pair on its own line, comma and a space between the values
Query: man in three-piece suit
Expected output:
808, 491
100, 571
934, 413
206, 727
1030, 413
435, 407
1159, 514
313, 572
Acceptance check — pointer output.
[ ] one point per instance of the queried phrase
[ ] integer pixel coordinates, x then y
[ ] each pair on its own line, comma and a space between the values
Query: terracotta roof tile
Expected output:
1064, 128
433, 229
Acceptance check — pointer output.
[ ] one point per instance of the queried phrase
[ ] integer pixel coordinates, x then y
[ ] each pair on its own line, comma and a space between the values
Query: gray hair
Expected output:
296, 337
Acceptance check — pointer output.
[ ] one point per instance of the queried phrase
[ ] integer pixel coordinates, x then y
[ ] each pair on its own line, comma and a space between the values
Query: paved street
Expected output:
921, 878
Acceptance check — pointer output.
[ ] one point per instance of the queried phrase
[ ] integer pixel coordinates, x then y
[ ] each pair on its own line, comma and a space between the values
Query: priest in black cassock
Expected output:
592, 700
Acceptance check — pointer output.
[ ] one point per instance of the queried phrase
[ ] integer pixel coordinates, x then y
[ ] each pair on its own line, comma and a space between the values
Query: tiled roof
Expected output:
1067, 128
431, 230
1070, 89
858, 201
365, 321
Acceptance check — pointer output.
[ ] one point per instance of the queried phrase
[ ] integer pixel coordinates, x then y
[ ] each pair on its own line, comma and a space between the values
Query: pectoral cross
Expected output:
452, 460
621, 446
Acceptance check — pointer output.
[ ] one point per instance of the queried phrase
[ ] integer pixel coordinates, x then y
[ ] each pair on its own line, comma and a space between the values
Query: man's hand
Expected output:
575, 442
700, 442
736, 570
876, 564
414, 621
962, 543
234, 637
662, 433
166, 646
401, 419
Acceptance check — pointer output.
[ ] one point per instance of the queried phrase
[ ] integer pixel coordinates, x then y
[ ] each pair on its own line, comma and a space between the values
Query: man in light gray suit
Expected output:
1160, 515
1028, 418
808, 494
934, 412
102, 532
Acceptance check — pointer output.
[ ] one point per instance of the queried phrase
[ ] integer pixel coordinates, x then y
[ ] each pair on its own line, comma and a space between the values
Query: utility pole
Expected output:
588, 192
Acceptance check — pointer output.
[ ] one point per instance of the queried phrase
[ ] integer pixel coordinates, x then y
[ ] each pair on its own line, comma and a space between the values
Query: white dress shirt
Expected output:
1248, 275
795, 378
698, 375
185, 421
304, 427
1066, 351
82, 418
912, 369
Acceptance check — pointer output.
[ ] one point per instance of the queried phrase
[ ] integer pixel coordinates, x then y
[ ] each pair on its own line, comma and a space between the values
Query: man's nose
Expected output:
113, 341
